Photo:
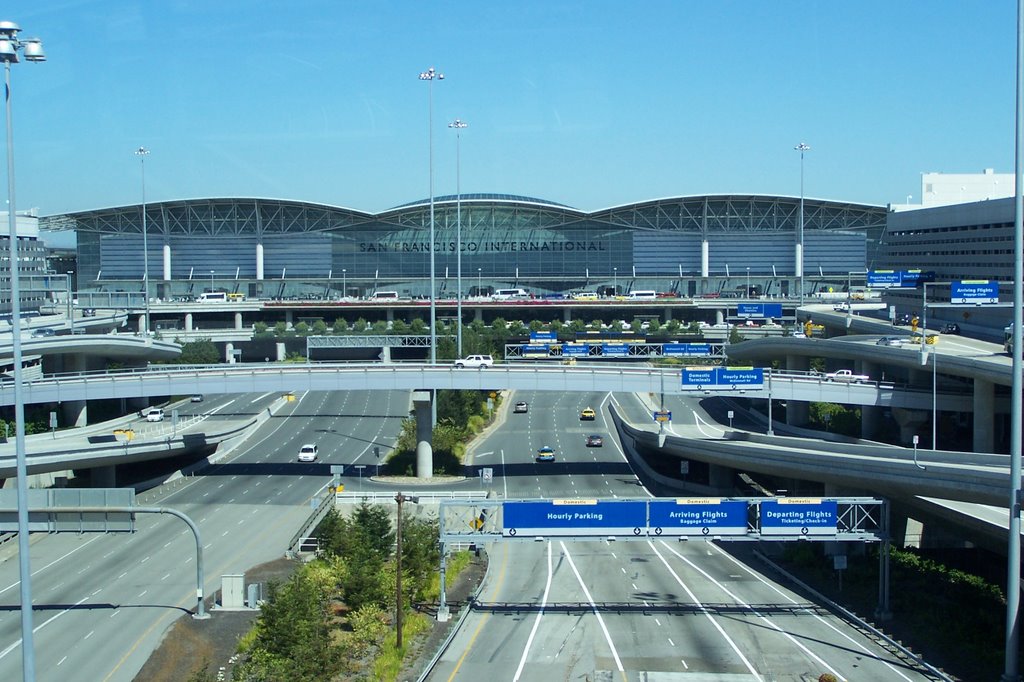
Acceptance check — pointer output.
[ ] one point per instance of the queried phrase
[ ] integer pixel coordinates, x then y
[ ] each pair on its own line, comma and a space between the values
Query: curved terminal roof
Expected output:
700, 213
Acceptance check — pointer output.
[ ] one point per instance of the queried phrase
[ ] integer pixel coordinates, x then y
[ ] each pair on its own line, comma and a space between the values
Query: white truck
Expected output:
846, 375
475, 362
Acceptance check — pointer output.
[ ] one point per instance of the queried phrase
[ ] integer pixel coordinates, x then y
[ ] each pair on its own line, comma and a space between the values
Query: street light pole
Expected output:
142, 152
458, 126
71, 309
748, 282
399, 498
429, 75
802, 147
344, 285
33, 51
615, 281
479, 291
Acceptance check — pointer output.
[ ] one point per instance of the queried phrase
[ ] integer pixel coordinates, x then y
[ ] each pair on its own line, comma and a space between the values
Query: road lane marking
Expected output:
536, 621
707, 614
17, 643
593, 607
671, 643
60, 558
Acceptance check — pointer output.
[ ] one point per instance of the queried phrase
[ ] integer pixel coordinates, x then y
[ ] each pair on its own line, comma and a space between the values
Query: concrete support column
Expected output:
798, 256
704, 260
238, 320
390, 316
259, 260
289, 319
188, 322
870, 415
478, 314
104, 477
668, 314
719, 316
421, 401
567, 315
167, 262
281, 354
910, 422
798, 412
141, 325
74, 412
229, 353
385, 355
984, 417
722, 479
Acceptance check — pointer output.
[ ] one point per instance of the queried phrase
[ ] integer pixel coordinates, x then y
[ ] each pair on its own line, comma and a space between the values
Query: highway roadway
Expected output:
602, 610
103, 602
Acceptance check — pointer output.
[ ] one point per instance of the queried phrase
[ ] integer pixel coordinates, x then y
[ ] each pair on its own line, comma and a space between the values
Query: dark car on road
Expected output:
595, 441
951, 328
521, 408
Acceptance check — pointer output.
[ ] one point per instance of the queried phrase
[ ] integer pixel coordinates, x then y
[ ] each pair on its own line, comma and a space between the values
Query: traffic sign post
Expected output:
701, 516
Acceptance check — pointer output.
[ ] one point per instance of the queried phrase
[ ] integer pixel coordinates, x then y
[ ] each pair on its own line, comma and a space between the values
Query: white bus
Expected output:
643, 295
212, 297
510, 294
384, 296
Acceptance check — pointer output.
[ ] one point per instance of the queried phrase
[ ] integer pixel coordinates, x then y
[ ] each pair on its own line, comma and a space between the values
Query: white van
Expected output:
510, 294
154, 414
643, 295
212, 297
384, 296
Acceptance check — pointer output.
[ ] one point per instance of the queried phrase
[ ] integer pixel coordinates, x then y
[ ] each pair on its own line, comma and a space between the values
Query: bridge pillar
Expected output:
704, 260
259, 260
281, 352
478, 314
103, 477
167, 262
910, 422
390, 316
421, 401
719, 316
141, 324
73, 412
567, 314
798, 412
668, 314
229, 353
289, 319
238, 320
385, 355
984, 417
869, 418
188, 322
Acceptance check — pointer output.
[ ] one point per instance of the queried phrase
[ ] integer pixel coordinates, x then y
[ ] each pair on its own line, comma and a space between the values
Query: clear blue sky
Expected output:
587, 103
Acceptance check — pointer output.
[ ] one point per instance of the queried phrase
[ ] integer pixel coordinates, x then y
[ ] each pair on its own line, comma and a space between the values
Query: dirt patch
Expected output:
190, 645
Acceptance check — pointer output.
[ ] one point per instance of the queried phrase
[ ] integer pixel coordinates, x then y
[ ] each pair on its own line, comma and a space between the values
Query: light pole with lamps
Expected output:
211, 281
479, 291
32, 48
142, 152
458, 125
748, 282
429, 75
802, 147
344, 285
615, 281
71, 307
399, 499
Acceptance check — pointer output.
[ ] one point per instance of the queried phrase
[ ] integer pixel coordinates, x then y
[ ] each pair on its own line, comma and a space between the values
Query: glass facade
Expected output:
502, 238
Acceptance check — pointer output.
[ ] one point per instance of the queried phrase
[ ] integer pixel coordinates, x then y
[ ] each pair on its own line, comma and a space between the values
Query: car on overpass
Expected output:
475, 361
896, 341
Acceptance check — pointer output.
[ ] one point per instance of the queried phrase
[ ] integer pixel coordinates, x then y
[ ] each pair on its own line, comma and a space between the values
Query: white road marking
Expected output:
62, 660
593, 607
671, 643
536, 622
17, 643
122, 575
60, 558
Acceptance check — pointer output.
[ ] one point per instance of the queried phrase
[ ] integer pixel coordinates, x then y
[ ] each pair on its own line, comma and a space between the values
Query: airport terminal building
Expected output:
267, 248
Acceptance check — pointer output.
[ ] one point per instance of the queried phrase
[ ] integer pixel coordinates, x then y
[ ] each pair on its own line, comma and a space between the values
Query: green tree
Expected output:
280, 329
302, 329
360, 325
399, 326
420, 552
319, 327
380, 327
340, 325
418, 326
200, 352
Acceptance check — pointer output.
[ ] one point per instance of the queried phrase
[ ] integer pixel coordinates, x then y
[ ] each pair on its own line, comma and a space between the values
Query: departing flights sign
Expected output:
699, 516
974, 292
798, 516
564, 518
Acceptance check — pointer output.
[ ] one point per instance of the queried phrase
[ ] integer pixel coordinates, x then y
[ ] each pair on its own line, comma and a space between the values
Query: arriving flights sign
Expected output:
974, 292
700, 516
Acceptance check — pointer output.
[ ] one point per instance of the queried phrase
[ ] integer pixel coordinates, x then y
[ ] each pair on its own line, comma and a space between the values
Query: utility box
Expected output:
232, 591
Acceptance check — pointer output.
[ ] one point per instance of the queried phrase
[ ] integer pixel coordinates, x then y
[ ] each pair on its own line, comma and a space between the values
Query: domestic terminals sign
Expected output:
566, 518
699, 516
974, 292
798, 516
717, 377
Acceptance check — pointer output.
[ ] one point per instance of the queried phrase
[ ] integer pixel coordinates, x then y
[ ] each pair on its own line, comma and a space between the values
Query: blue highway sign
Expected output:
974, 292
704, 516
566, 518
690, 350
615, 350
798, 516
576, 350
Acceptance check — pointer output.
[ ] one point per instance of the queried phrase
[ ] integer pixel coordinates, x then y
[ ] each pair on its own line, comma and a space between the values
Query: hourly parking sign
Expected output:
567, 518
798, 516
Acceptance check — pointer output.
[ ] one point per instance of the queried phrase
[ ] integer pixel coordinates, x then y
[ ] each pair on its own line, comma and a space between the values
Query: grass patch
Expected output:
389, 660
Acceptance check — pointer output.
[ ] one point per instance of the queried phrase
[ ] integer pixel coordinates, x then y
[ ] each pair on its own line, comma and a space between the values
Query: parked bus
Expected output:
510, 294
384, 296
643, 295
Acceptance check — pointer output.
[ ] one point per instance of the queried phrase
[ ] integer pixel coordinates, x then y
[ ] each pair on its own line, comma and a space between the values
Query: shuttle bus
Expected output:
212, 297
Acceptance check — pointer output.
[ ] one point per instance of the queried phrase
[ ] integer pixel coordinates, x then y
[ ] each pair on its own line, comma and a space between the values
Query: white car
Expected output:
846, 375
308, 453
154, 414
475, 361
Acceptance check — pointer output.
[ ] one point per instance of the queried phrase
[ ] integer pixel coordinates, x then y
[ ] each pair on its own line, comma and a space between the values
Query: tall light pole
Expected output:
142, 152
458, 125
479, 290
32, 48
802, 147
399, 499
748, 282
615, 281
71, 307
429, 75
344, 285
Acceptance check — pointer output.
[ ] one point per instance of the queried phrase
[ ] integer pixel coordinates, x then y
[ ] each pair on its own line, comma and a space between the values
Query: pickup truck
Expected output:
846, 375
